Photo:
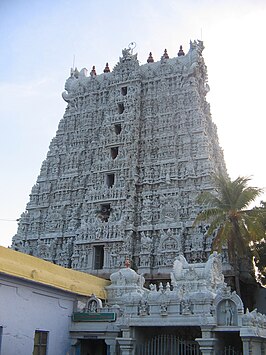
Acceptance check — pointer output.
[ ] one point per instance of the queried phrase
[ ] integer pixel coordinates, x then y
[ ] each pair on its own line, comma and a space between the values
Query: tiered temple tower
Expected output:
135, 147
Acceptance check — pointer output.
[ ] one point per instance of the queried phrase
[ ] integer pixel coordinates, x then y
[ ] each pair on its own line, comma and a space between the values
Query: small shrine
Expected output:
196, 311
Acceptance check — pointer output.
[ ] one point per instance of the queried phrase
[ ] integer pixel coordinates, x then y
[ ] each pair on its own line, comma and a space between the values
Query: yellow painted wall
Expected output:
34, 269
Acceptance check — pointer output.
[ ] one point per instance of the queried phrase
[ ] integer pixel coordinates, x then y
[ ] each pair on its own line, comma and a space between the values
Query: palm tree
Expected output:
235, 227
260, 258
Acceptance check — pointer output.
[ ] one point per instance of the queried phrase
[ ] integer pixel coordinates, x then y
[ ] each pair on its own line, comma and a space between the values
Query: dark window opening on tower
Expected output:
118, 128
110, 180
98, 257
121, 107
104, 212
124, 90
114, 152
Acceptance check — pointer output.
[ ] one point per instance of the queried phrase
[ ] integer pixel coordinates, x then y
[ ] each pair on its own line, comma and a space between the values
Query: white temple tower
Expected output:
135, 147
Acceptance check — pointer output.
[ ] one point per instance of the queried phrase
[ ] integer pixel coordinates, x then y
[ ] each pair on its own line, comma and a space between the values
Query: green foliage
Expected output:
235, 226
260, 246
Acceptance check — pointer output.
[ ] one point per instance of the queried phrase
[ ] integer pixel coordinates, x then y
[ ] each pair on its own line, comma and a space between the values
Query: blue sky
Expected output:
39, 40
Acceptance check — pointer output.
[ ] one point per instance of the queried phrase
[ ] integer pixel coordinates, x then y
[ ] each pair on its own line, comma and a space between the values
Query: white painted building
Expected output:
37, 300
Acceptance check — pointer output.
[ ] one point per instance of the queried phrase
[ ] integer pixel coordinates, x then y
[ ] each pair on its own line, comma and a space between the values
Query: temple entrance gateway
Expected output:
167, 341
230, 343
168, 345
195, 313
92, 347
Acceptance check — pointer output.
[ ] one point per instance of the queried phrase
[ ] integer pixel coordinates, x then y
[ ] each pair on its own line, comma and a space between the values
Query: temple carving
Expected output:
135, 147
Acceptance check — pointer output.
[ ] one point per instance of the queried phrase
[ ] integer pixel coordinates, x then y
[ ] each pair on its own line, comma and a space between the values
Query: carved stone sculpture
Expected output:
135, 147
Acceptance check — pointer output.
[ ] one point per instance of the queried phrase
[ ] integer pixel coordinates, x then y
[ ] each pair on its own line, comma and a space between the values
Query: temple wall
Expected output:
24, 308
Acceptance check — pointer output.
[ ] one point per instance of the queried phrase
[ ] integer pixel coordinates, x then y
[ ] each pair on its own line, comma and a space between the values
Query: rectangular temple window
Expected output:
110, 180
124, 90
40, 342
98, 257
114, 152
121, 107
118, 128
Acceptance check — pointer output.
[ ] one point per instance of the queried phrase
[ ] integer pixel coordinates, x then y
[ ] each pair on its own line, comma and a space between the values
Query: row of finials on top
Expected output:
149, 60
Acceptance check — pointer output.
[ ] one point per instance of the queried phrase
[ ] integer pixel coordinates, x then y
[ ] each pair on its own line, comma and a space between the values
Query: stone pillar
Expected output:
252, 345
111, 345
126, 342
245, 342
75, 347
256, 346
126, 345
207, 345
263, 347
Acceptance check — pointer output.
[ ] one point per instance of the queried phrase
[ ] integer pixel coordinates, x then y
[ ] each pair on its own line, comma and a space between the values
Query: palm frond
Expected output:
222, 184
216, 223
225, 210
222, 237
208, 215
254, 226
207, 198
247, 196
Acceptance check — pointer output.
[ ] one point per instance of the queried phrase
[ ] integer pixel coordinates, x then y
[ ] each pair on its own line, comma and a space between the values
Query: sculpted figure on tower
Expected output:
133, 150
